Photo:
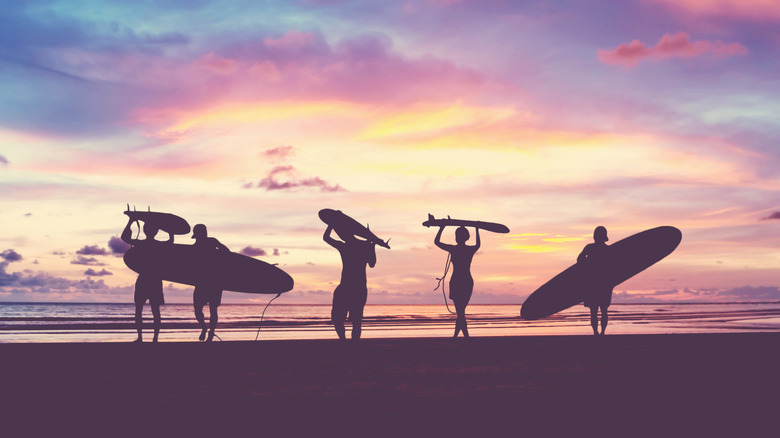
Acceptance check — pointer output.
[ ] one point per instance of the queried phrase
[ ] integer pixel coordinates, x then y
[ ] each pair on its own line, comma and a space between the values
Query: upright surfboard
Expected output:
625, 259
344, 224
170, 223
487, 226
223, 270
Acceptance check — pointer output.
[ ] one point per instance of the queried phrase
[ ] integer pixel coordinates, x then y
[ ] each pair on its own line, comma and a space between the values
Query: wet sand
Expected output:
627, 385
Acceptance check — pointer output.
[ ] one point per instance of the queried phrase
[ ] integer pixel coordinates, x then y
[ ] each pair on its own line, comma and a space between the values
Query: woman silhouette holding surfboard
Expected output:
147, 286
600, 294
461, 282
351, 294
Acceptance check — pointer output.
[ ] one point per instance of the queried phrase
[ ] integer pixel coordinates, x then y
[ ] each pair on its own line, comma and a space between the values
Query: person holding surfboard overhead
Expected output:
206, 292
599, 295
148, 286
461, 282
351, 294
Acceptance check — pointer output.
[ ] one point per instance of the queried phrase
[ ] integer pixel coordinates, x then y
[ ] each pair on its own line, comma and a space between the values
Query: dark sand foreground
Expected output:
676, 385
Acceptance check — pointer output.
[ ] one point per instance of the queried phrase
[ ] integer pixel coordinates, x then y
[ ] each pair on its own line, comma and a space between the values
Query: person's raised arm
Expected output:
479, 242
371, 254
437, 240
127, 233
328, 239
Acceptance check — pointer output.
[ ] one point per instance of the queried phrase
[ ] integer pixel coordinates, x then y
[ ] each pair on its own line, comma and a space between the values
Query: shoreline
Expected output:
685, 383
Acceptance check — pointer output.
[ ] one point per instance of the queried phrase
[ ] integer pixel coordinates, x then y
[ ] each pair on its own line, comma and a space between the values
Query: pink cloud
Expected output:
212, 61
754, 10
678, 45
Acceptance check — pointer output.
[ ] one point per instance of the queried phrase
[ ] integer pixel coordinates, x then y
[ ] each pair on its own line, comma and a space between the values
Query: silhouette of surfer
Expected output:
148, 286
600, 294
461, 282
206, 292
350, 295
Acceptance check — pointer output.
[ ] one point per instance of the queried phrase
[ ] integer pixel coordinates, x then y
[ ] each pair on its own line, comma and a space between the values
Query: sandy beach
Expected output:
614, 385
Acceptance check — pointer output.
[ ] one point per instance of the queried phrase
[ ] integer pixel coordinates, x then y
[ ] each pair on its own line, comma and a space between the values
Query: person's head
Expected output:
600, 234
150, 230
199, 232
461, 235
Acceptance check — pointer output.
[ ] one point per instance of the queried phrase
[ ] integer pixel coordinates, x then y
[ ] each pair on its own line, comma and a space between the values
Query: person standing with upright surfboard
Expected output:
148, 286
351, 294
206, 291
599, 293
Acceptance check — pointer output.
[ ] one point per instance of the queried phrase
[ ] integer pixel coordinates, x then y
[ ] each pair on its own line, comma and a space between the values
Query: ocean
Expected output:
112, 322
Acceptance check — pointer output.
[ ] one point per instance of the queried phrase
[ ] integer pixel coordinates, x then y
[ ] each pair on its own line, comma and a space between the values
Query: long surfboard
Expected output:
170, 223
223, 270
487, 226
344, 224
624, 259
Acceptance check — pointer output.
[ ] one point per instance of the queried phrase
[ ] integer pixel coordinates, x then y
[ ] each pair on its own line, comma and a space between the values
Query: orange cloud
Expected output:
678, 46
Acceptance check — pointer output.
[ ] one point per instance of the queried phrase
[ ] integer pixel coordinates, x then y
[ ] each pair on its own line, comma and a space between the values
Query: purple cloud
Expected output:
88, 261
252, 251
92, 250
10, 255
117, 245
92, 272
281, 153
774, 215
752, 293
273, 182
3, 160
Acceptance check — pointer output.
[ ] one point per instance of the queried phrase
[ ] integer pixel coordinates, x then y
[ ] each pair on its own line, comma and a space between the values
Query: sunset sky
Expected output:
549, 117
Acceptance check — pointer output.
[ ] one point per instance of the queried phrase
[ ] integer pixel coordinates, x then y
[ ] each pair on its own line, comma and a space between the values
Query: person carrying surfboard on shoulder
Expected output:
600, 294
148, 286
351, 294
206, 291
461, 282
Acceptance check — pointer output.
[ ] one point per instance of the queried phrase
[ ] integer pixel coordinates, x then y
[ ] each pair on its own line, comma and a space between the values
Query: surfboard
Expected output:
170, 223
344, 224
487, 226
624, 259
223, 270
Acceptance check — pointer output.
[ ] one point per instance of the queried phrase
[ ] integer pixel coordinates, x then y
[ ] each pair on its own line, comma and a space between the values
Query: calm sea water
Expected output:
36, 322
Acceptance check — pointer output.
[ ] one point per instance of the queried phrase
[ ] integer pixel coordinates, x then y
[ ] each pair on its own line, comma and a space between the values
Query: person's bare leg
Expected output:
357, 328
201, 321
157, 321
139, 321
604, 319
460, 320
213, 318
594, 319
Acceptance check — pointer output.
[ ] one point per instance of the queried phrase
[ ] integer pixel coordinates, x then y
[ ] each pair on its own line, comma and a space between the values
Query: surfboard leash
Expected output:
446, 269
259, 326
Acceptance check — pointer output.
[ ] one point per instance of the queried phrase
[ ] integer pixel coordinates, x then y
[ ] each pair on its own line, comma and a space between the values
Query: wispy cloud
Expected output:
670, 46
773, 215
89, 261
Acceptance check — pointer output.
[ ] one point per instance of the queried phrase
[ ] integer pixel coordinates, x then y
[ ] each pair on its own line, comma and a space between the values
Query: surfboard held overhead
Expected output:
344, 224
487, 226
170, 223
